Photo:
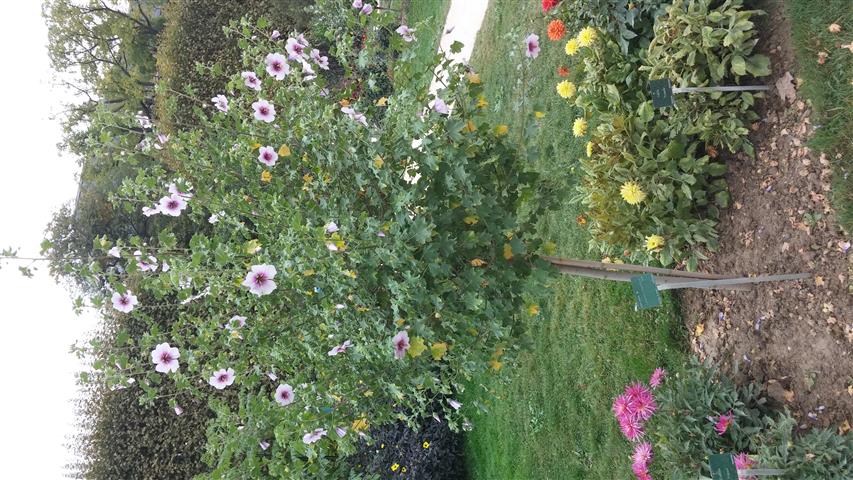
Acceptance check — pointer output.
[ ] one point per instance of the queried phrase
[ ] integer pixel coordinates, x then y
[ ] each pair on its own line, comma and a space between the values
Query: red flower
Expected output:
556, 29
563, 71
549, 4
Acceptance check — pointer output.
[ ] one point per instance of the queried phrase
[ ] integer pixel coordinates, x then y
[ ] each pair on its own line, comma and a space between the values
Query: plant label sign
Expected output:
723, 467
661, 91
645, 291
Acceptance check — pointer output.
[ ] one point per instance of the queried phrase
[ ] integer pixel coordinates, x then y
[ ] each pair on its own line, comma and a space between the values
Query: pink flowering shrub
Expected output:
345, 247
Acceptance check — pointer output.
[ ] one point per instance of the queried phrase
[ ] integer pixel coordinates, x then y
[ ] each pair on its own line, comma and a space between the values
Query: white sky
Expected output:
38, 383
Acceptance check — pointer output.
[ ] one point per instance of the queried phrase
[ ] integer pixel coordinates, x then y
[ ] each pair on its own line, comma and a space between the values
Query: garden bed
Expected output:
796, 338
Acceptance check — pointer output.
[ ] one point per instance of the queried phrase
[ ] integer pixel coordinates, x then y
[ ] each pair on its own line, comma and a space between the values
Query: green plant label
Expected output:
661, 91
645, 291
723, 467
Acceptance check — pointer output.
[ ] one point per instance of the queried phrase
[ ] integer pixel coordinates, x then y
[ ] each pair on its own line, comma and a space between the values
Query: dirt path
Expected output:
796, 338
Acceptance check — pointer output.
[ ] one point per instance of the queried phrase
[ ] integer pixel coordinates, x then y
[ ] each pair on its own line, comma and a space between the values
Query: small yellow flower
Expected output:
539, 114
378, 162
395, 467
307, 178
589, 149
473, 78
632, 193
345, 103
587, 36
426, 444
533, 310
481, 101
654, 243
266, 176
572, 46
579, 127
470, 127
478, 262
382, 102
496, 365
403, 470
381, 445
471, 220
284, 151
360, 425
507, 251
566, 89
438, 350
256, 146
501, 130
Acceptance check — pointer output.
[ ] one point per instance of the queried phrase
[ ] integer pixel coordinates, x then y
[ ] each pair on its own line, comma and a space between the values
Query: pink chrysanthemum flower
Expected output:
312, 437
295, 50
267, 156
284, 394
264, 111
657, 377
259, 280
645, 406
723, 422
642, 454
220, 102
251, 80
623, 407
221, 378
631, 428
532, 45
165, 358
401, 344
743, 462
172, 205
636, 390
277, 65
124, 302
340, 348
641, 470
322, 61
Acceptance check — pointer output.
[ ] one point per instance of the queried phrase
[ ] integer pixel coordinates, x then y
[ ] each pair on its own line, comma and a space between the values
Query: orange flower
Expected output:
563, 71
581, 219
556, 30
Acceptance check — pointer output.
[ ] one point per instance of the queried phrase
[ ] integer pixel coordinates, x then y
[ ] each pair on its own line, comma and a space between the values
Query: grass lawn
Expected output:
550, 418
828, 86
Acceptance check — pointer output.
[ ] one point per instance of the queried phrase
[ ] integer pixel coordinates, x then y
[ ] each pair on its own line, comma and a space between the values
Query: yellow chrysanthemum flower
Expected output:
395, 467
482, 102
266, 176
654, 243
539, 114
473, 78
579, 127
589, 149
632, 193
587, 37
566, 89
426, 445
572, 46
501, 130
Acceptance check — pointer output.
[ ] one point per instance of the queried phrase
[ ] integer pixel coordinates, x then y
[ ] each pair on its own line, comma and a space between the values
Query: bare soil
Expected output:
795, 337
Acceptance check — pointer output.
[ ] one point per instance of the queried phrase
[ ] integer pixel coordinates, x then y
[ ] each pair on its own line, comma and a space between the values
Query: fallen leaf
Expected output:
822, 56
844, 428
477, 262
699, 330
834, 28
818, 281
789, 396
785, 87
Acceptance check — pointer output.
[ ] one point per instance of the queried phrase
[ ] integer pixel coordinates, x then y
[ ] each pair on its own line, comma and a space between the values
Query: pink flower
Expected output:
172, 205
277, 65
340, 348
401, 344
440, 107
367, 9
357, 4
631, 428
341, 431
236, 322
264, 111
275, 35
331, 227
743, 462
532, 42
645, 406
453, 403
642, 454
264, 445
295, 50
267, 156
173, 189
314, 436
636, 390
149, 265
302, 40
251, 80
354, 115
220, 102
259, 280
178, 410
284, 394
322, 61
114, 252
308, 72
272, 376
124, 302
165, 358
407, 33
162, 138
623, 407
148, 211
221, 378
641, 471
657, 377
723, 422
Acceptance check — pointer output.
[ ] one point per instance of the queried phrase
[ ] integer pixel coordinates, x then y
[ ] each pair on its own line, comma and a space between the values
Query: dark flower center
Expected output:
165, 357
260, 278
264, 110
172, 205
222, 378
123, 300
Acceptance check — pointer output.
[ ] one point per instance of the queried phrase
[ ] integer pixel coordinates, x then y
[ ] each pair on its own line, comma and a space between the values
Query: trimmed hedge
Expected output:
193, 33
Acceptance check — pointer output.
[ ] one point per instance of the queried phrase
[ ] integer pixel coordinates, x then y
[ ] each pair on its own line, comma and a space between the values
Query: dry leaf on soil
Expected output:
785, 87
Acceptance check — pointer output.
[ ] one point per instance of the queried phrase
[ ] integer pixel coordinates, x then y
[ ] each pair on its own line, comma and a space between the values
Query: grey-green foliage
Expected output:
821, 454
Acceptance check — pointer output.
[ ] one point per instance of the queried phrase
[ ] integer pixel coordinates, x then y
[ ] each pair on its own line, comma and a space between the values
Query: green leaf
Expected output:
738, 65
758, 65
